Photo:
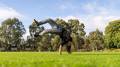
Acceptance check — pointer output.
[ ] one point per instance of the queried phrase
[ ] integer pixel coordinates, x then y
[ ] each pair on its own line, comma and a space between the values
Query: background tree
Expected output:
112, 34
45, 43
77, 27
55, 42
12, 31
30, 44
34, 42
77, 32
87, 46
96, 39
61, 22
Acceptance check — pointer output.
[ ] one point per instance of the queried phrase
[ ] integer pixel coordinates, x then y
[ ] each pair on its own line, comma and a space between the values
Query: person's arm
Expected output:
50, 21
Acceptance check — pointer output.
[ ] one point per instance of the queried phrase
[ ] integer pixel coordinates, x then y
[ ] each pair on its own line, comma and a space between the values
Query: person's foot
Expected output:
36, 22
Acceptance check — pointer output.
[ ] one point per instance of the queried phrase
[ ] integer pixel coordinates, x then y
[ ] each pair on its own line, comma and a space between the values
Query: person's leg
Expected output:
60, 49
68, 47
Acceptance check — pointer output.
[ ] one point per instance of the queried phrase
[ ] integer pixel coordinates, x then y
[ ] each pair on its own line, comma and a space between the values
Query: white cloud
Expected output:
98, 16
69, 17
8, 12
98, 21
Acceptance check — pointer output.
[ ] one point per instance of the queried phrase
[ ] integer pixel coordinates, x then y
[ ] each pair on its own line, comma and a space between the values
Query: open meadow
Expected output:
53, 59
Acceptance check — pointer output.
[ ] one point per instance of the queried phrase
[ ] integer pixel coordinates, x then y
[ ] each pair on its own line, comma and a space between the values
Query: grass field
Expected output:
53, 59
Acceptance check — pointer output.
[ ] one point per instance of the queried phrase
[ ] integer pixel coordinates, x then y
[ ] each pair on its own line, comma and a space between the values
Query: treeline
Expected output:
12, 39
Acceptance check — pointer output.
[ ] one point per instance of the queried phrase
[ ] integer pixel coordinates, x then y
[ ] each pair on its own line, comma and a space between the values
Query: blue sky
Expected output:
93, 13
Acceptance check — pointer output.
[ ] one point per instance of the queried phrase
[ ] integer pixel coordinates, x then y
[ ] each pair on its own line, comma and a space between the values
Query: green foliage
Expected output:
96, 39
55, 42
77, 27
77, 33
12, 31
112, 34
87, 46
62, 23
44, 43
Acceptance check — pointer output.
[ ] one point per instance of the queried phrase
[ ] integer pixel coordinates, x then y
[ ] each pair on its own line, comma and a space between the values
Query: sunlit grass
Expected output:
53, 59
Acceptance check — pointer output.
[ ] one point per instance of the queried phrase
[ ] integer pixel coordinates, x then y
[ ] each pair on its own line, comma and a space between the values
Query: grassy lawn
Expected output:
53, 59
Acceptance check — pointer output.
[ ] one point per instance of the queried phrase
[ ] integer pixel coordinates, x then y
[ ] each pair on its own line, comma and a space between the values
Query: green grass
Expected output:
53, 59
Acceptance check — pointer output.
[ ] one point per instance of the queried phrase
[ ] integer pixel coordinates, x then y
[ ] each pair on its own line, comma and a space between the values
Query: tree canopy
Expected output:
12, 31
112, 34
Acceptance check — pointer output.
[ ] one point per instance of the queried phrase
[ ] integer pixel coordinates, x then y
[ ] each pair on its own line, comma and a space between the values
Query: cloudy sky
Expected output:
93, 13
